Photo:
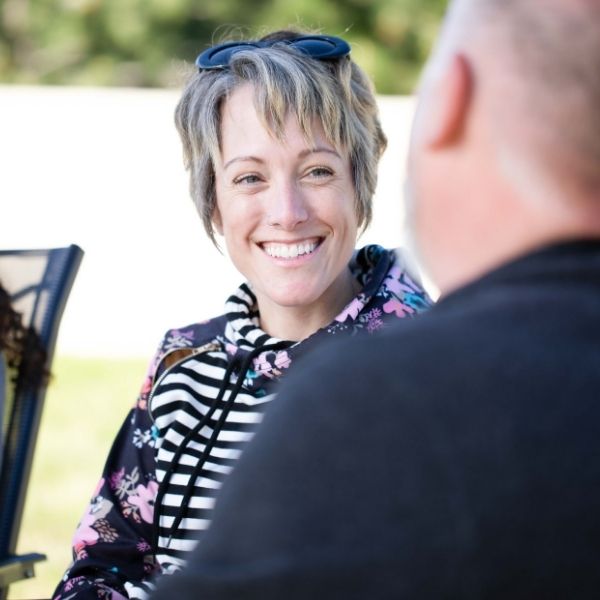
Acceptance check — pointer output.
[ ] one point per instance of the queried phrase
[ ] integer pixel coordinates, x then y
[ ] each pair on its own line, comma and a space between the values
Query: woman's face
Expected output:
286, 210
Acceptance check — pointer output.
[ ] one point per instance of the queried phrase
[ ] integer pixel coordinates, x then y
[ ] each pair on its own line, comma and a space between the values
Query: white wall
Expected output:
102, 168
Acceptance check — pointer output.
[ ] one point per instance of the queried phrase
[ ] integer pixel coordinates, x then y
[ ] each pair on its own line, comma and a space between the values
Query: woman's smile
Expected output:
291, 250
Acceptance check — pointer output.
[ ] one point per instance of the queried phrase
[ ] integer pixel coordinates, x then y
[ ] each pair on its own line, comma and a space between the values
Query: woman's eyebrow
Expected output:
317, 150
243, 159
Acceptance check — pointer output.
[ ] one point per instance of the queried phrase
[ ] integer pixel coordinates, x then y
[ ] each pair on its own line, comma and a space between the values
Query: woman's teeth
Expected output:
290, 250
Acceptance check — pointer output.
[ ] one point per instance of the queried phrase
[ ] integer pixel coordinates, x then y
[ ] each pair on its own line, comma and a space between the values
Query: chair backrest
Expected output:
3, 390
39, 282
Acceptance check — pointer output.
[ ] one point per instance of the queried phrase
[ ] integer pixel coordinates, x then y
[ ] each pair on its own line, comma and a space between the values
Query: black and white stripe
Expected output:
181, 398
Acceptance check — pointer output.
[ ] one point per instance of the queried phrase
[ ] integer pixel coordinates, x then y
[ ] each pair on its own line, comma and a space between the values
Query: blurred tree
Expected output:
146, 42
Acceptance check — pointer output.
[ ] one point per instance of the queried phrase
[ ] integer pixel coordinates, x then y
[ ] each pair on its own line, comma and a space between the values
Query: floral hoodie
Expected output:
122, 542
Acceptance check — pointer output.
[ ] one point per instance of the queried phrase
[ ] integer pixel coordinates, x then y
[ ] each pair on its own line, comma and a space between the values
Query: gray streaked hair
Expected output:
336, 93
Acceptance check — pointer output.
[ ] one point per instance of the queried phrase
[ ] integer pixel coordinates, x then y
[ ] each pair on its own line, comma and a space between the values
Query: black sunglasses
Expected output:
321, 47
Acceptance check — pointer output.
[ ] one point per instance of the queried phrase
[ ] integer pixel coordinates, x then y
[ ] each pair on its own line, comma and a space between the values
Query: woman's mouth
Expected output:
292, 249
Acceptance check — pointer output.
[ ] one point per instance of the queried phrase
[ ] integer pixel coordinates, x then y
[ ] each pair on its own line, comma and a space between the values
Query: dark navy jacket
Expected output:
471, 472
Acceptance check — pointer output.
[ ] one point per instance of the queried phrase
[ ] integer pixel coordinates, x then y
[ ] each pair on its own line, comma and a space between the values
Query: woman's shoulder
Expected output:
194, 334
179, 342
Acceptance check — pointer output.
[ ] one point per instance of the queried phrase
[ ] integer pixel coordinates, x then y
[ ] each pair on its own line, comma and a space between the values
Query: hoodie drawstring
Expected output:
244, 367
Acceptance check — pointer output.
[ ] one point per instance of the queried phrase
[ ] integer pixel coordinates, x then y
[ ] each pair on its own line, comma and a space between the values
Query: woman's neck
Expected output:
296, 323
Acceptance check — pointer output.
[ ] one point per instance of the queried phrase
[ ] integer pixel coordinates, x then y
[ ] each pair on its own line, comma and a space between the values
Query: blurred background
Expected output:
142, 43
89, 155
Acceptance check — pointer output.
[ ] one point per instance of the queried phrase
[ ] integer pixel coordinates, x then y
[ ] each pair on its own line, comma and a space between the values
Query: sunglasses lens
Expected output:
322, 47
219, 56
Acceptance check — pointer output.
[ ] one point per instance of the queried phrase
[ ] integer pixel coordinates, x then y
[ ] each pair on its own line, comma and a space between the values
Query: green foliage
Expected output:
145, 42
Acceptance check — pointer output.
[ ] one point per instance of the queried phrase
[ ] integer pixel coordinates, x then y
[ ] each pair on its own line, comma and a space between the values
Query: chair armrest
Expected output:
16, 568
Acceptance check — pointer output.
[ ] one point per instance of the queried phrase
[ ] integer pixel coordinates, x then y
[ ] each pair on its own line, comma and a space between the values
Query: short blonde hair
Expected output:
337, 93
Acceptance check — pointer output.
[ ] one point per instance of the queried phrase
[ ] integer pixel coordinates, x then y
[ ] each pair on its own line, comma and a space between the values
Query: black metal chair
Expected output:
39, 282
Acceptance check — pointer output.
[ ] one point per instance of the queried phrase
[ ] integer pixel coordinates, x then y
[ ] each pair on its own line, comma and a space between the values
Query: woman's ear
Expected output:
217, 221
450, 109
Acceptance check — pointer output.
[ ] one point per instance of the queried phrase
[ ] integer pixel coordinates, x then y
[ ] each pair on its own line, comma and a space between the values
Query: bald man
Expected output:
473, 471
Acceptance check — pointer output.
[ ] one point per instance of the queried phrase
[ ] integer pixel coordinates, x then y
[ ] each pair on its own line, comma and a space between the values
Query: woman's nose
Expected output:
288, 207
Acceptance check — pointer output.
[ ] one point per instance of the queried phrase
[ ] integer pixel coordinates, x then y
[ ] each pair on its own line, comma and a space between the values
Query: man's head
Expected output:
505, 152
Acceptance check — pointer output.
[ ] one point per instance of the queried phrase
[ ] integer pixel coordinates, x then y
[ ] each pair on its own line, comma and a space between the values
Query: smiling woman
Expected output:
282, 140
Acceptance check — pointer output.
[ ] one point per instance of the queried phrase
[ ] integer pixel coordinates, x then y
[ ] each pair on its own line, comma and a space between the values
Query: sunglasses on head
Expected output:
320, 47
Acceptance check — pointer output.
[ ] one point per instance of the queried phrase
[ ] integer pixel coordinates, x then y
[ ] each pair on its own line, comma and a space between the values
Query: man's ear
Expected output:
454, 90
217, 221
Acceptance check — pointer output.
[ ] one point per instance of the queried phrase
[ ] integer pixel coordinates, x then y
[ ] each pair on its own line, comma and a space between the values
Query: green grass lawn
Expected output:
86, 402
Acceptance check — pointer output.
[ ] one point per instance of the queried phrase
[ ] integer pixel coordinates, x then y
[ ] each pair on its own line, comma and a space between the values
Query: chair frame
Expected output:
23, 423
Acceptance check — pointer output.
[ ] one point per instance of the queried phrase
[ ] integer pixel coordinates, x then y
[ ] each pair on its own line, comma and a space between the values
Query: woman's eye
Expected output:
320, 172
247, 179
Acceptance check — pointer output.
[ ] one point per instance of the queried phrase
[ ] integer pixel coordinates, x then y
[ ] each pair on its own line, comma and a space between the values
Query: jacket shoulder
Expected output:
182, 341
195, 334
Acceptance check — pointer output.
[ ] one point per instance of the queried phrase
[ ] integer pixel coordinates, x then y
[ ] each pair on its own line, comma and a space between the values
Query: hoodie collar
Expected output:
369, 266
